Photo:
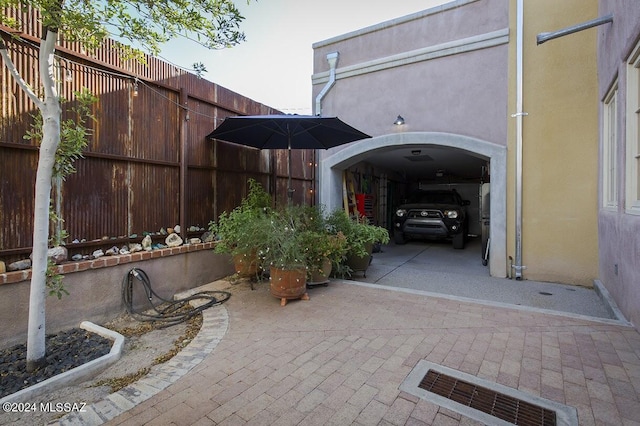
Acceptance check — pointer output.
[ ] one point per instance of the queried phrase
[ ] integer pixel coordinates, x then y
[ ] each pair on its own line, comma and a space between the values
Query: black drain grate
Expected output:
496, 404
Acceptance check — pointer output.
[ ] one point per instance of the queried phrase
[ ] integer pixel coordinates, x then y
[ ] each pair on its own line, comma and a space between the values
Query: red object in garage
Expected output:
364, 203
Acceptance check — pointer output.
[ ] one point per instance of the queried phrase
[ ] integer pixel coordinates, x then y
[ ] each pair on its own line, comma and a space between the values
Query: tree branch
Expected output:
16, 75
47, 58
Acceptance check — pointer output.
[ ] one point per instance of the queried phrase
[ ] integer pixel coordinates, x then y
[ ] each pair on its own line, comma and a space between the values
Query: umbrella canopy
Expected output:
286, 132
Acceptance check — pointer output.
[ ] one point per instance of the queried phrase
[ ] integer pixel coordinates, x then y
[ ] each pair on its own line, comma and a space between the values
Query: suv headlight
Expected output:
451, 214
401, 212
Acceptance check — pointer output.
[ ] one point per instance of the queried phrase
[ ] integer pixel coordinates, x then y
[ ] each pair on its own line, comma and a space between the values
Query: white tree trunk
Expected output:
50, 110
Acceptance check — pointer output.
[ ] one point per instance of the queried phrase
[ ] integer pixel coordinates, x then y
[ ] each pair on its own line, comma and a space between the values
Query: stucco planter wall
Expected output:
95, 287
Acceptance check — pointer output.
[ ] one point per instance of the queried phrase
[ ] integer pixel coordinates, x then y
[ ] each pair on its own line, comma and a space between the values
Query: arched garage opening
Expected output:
333, 166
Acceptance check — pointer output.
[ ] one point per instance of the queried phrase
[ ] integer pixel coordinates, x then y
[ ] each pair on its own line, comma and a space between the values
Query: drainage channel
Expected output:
488, 401
482, 400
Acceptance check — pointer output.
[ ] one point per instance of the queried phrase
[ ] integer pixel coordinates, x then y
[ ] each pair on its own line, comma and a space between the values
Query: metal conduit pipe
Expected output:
332, 58
518, 267
542, 37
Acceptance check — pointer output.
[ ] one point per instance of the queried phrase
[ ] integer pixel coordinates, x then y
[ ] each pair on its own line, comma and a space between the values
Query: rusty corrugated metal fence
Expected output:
148, 165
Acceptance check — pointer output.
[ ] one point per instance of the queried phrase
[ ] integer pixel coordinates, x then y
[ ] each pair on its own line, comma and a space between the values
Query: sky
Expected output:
275, 63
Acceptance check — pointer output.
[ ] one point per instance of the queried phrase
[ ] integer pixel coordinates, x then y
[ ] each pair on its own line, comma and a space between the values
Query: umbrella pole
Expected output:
289, 188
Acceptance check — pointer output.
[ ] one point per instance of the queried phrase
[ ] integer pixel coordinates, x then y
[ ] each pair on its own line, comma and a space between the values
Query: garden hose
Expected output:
168, 312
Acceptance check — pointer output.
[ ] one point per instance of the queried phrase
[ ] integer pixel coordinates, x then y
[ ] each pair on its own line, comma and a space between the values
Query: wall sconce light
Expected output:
68, 76
135, 87
399, 121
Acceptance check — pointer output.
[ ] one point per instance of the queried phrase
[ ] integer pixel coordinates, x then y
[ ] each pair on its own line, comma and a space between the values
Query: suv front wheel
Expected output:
458, 241
398, 237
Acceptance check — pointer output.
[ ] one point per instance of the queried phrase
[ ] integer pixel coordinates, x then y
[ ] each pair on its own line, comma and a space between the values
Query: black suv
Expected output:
436, 214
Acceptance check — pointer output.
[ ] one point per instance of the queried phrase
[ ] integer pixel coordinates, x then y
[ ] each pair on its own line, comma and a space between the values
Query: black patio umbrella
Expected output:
286, 132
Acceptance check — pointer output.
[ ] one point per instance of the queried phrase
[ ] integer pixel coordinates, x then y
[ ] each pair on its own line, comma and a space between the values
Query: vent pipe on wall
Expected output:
542, 37
332, 58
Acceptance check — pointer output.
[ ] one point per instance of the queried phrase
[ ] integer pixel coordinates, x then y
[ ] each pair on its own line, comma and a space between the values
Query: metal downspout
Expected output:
332, 58
518, 267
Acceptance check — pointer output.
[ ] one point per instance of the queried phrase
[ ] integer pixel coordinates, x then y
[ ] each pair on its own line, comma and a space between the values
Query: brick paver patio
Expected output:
340, 358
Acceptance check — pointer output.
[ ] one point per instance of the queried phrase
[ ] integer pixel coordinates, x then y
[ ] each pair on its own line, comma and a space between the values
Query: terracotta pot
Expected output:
288, 283
360, 263
246, 265
321, 276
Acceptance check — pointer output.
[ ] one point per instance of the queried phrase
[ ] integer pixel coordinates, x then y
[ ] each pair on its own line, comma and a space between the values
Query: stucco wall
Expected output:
560, 144
619, 232
442, 70
451, 70
96, 292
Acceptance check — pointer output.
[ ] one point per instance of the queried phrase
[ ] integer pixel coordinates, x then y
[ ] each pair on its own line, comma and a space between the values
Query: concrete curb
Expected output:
77, 374
610, 304
618, 321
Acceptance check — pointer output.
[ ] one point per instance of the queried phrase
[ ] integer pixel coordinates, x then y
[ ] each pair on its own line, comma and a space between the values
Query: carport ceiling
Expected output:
425, 162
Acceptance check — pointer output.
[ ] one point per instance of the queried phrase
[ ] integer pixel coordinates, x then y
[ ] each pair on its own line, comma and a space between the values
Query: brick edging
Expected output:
108, 261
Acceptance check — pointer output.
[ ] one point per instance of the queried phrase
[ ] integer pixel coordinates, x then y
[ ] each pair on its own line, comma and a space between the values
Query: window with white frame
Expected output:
633, 133
610, 149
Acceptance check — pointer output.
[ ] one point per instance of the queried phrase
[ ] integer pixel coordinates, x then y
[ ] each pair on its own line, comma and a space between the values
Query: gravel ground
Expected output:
145, 345
64, 351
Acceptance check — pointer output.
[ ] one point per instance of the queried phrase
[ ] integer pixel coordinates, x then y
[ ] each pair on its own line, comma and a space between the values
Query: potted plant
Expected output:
323, 250
282, 238
235, 230
361, 236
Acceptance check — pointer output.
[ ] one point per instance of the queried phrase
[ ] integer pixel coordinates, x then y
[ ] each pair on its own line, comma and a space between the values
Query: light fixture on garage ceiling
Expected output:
399, 121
